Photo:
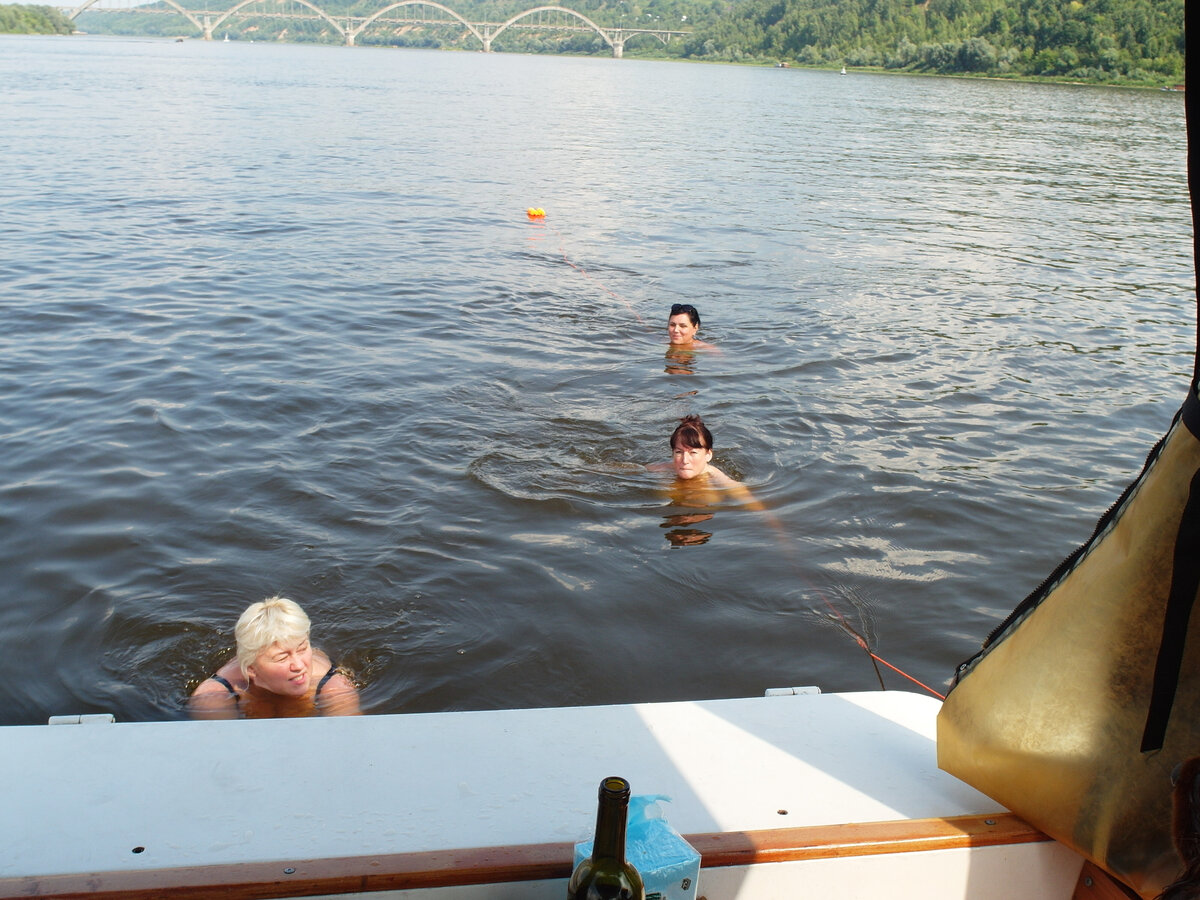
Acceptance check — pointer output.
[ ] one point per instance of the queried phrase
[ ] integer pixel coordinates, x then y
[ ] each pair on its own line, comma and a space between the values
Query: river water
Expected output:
275, 321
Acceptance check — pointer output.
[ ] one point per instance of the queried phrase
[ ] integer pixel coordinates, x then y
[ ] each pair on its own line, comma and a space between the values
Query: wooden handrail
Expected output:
529, 862
862, 839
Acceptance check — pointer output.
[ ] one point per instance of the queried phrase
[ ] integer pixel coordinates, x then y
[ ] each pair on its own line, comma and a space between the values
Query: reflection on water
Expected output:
700, 494
689, 494
680, 361
684, 537
344, 366
687, 360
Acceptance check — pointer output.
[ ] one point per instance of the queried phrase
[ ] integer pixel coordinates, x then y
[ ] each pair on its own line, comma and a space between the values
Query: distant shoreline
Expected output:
634, 57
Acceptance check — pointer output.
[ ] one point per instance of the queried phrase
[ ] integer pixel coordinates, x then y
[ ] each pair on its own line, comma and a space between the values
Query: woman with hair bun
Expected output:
698, 483
276, 673
691, 454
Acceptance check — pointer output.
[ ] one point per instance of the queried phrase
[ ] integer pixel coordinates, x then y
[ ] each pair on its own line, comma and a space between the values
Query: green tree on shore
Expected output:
33, 20
1132, 41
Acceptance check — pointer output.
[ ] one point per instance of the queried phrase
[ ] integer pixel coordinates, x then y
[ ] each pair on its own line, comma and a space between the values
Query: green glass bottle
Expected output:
605, 875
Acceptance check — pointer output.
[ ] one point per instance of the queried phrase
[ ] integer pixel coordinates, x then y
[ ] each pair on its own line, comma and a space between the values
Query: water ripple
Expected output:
342, 365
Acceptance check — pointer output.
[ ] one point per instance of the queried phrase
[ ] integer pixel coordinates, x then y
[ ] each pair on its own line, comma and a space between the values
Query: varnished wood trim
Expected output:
862, 839
531, 862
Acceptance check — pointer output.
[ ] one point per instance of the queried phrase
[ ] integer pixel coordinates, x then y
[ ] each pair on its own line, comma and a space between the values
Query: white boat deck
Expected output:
96, 798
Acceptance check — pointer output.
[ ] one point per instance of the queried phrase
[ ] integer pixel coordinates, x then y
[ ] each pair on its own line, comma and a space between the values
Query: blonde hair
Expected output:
276, 619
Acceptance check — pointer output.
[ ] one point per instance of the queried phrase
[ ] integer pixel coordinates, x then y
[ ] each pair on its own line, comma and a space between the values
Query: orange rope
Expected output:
909, 677
540, 221
862, 642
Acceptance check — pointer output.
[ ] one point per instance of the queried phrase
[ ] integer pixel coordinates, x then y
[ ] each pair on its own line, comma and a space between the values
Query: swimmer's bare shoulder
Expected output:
212, 700
719, 479
737, 490
339, 697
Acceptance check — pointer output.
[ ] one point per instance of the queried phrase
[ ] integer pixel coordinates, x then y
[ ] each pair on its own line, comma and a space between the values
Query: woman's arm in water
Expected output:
736, 489
212, 700
339, 697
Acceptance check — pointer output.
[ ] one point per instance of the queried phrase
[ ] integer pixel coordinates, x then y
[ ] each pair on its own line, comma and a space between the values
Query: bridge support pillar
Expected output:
208, 28
487, 45
349, 38
618, 49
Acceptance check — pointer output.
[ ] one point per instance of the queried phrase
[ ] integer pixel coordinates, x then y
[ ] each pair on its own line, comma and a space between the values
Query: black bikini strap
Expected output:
324, 678
229, 687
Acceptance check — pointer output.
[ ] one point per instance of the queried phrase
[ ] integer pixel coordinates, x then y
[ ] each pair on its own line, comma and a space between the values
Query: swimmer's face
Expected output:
284, 668
680, 330
690, 461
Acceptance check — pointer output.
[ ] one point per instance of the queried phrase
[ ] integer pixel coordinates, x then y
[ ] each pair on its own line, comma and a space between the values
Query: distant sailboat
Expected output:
843, 67
227, 41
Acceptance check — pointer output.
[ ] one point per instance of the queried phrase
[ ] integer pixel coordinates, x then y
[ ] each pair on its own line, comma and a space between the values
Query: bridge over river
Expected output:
406, 13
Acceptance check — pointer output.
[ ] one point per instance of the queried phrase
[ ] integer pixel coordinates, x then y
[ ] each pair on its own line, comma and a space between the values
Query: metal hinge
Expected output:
92, 719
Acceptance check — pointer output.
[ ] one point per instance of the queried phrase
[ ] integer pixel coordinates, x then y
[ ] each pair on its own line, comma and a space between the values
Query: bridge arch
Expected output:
661, 38
351, 26
229, 12
183, 12
354, 33
529, 12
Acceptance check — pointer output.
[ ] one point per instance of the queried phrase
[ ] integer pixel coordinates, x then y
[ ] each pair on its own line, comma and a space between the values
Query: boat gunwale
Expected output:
515, 863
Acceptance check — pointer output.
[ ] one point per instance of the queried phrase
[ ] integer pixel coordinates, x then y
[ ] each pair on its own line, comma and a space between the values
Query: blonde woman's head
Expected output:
276, 620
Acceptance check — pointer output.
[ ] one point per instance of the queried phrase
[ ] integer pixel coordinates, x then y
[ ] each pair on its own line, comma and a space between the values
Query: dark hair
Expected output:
692, 312
692, 432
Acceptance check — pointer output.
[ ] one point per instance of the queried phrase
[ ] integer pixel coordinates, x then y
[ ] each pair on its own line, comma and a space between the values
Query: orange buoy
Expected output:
535, 212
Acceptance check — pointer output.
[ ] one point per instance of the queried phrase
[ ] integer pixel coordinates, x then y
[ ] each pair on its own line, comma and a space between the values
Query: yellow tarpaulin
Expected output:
1079, 707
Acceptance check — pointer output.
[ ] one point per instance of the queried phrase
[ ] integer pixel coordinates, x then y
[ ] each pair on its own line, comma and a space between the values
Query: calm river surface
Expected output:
275, 320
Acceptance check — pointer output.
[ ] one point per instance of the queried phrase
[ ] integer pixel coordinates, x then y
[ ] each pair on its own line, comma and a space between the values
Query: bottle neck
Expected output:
611, 818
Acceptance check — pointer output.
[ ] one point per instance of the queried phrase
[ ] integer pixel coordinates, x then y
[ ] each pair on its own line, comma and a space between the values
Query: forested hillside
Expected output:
16, 19
1093, 40
1104, 41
